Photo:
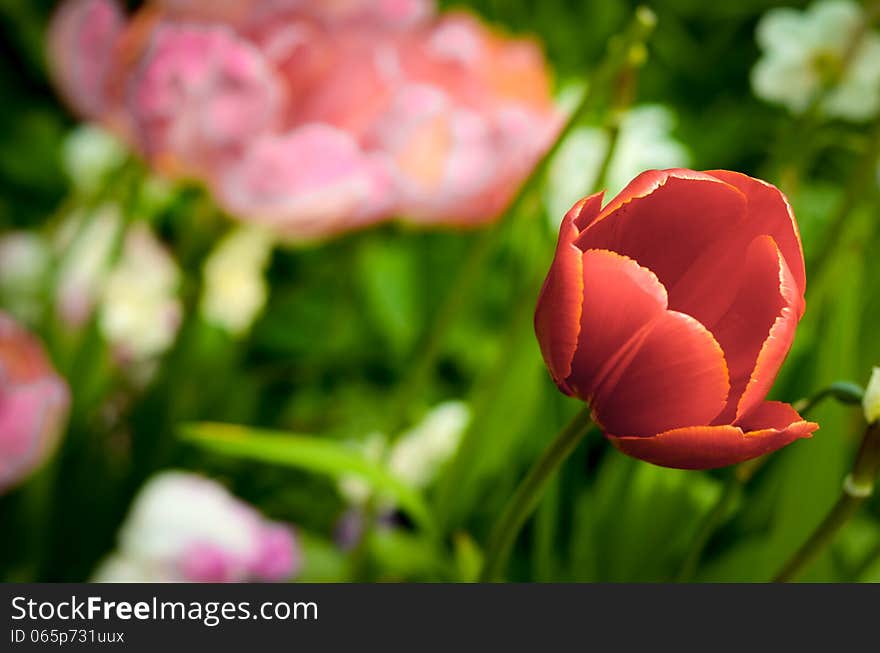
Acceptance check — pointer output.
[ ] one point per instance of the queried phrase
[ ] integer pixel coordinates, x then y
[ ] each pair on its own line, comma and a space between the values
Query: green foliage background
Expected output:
345, 320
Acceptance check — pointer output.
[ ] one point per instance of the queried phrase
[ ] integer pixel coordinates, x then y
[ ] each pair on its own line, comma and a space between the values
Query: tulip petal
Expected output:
774, 416
775, 347
673, 374
770, 427
770, 213
558, 311
743, 330
620, 298
663, 219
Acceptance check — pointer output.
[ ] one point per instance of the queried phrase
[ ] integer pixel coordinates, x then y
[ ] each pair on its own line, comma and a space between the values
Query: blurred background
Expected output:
279, 216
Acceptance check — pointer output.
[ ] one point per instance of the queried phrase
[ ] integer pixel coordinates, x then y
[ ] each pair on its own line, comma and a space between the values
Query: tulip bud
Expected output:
671, 310
871, 398
34, 402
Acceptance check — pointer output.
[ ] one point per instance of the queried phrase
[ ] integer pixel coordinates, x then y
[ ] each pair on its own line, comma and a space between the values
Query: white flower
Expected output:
89, 155
417, 456
235, 290
183, 527
871, 398
420, 452
644, 142
805, 50
140, 310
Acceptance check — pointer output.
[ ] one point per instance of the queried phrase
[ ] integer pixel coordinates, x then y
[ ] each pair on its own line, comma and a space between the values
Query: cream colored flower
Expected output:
235, 289
140, 310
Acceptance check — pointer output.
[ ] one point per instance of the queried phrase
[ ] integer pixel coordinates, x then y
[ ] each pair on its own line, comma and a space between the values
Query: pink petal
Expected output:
310, 183
82, 38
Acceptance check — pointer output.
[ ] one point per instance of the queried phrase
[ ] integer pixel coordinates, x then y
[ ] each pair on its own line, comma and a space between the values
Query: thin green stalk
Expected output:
733, 486
529, 492
858, 486
842, 391
418, 371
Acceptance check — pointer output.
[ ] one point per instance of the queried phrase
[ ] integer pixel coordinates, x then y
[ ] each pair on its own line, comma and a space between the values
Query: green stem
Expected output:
858, 487
866, 563
845, 392
708, 527
526, 497
842, 391
431, 346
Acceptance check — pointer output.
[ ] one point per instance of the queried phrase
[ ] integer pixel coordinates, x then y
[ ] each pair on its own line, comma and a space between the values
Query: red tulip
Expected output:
670, 312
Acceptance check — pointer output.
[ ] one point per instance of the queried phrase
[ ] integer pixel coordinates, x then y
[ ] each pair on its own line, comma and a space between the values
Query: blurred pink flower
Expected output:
372, 14
358, 84
229, 11
186, 528
444, 155
309, 183
381, 13
199, 96
34, 402
83, 35
316, 117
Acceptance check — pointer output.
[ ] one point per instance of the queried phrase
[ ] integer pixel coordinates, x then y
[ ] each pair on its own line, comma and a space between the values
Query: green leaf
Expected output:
314, 454
386, 273
400, 555
323, 561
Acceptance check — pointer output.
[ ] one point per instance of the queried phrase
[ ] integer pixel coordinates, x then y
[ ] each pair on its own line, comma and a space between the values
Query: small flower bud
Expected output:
871, 398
